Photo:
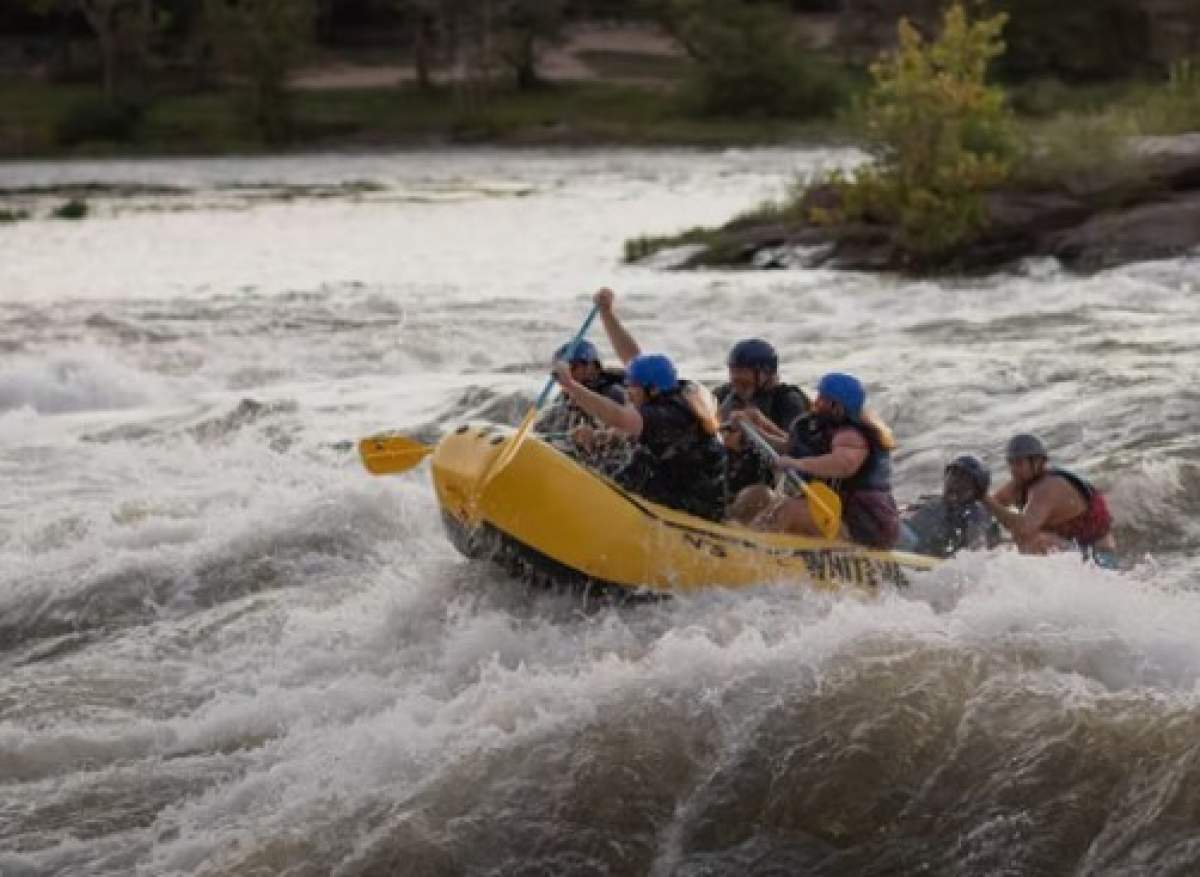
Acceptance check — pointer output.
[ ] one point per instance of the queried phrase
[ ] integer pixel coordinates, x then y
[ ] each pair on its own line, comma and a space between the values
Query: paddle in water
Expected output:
391, 454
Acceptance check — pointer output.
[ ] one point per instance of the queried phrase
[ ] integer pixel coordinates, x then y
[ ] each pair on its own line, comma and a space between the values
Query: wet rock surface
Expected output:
1088, 225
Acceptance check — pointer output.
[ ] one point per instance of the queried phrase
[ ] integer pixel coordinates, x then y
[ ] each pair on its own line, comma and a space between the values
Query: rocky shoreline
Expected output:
1087, 225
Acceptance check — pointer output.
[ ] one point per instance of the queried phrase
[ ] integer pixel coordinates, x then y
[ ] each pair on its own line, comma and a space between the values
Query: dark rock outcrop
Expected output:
1150, 231
1086, 225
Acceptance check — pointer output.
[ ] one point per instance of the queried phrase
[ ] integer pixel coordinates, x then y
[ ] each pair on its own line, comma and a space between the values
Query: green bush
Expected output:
747, 61
939, 134
1175, 107
1052, 153
73, 209
96, 118
1052, 156
262, 42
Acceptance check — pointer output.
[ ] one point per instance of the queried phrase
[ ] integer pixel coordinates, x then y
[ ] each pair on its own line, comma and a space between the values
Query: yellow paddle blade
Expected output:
390, 454
825, 506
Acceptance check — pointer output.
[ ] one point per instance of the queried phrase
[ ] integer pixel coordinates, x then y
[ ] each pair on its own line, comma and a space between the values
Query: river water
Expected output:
228, 650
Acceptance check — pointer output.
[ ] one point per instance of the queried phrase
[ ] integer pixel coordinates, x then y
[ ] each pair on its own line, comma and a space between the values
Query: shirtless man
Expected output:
1055, 510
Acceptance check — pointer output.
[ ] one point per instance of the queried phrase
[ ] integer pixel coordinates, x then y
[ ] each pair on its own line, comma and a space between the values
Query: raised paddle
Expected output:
824, 505
509, 450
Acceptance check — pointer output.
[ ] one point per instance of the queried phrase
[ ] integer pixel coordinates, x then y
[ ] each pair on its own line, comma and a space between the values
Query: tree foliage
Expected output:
939, 134
123, 30
1099, 39
748, 59
261, 41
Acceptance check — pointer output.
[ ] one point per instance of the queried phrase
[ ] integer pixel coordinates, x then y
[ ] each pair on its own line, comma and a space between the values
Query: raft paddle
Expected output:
509, 451
391, 454
824, 504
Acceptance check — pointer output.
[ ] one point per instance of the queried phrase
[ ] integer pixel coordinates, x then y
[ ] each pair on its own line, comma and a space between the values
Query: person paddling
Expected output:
754, 384
677, 460
1049, 509
840, 443
588, 369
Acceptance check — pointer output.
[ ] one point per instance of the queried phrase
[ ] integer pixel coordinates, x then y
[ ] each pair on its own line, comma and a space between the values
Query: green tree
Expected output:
940, 136
121, 27
261, 42
424, 20
748, 58
527, 27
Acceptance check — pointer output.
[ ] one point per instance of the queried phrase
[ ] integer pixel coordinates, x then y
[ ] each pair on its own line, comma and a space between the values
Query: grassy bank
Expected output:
32, 115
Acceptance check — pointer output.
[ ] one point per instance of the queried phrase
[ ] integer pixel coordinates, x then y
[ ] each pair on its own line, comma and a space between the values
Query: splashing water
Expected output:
227, 650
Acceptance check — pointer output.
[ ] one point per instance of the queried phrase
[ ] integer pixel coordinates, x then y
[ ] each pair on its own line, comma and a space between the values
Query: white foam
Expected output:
80, 379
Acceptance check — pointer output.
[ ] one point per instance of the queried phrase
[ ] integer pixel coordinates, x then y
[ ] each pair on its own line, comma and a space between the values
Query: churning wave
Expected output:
75, 380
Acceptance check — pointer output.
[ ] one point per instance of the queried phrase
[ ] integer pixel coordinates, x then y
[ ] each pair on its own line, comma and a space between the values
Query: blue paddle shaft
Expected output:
583, 330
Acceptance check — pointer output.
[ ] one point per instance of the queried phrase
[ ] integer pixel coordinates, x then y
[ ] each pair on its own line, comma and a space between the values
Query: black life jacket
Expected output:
565, 414
611, 383
1084, 487
769, 402
812, 436
941, 529
684, 469
746, 467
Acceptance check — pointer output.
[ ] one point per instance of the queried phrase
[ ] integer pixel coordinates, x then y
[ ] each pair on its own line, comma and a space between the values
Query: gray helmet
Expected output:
1024, 445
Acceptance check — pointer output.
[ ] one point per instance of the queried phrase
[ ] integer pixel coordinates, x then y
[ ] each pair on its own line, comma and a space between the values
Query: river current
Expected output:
226, 649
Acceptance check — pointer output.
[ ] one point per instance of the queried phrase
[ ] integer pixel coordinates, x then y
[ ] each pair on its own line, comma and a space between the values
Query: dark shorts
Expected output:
872, 518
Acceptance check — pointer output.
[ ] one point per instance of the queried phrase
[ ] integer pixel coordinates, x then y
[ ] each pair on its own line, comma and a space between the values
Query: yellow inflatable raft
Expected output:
549, 519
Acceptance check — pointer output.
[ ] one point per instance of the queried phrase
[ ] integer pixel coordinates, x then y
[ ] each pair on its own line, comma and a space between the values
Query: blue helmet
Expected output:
753, 353
583, 351
653, 371
846, 389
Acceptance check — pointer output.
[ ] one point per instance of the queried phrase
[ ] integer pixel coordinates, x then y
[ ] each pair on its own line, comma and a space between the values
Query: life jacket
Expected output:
868, 507
812, 436
683, 467
939, 529
745, 466
565, 414
769, 402
611, 383
1086, 528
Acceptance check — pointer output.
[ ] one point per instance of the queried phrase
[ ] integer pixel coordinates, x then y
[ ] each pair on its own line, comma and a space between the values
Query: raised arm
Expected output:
624, 417
622, 342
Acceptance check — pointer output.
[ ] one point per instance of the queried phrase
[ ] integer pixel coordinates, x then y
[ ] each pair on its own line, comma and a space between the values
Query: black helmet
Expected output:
1024, 445
974, 469
753, 353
